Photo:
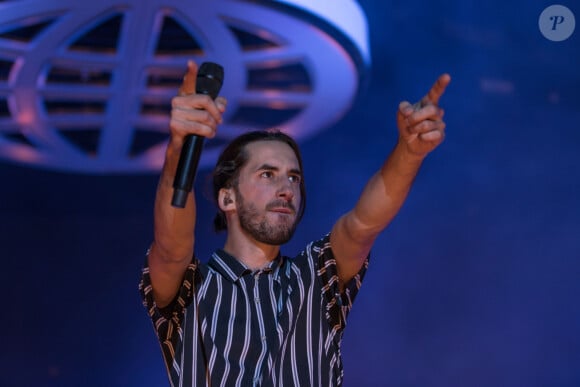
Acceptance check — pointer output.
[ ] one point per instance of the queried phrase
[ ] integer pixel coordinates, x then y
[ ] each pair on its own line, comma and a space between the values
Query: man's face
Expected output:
268, 192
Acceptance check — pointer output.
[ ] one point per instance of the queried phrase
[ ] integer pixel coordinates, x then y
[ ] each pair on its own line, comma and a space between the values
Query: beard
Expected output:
256, 224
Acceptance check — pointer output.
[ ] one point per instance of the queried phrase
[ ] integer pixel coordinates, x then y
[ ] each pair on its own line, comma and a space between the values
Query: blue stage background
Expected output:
475, 283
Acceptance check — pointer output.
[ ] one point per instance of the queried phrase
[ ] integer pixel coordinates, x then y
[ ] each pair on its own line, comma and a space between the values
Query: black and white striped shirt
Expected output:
280, 326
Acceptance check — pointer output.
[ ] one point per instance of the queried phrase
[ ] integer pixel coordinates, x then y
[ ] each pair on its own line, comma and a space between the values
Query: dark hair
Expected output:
235, 156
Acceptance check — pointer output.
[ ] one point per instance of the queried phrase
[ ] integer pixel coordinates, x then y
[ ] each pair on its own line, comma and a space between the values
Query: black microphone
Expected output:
210, 77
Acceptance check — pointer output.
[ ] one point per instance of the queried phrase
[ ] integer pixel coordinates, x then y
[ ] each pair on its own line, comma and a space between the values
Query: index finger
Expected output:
188, 85
437, 90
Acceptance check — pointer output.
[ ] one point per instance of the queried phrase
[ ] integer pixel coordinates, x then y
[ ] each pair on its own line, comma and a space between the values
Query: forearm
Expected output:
386, 192
172, 247
173, 227
354, 233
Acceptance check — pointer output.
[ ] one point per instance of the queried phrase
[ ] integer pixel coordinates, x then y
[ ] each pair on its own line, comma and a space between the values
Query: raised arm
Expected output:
421, 129
172, 247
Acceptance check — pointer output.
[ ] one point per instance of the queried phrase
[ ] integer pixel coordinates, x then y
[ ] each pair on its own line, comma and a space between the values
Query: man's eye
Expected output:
266, 174
294, 178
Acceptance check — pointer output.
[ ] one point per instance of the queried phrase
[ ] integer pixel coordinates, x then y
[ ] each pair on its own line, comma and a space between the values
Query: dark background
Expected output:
475, 283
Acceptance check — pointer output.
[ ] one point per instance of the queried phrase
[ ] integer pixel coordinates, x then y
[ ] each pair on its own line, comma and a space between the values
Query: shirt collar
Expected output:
232, 269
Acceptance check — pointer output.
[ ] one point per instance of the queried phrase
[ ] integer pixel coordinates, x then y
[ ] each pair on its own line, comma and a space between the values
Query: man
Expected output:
251, 316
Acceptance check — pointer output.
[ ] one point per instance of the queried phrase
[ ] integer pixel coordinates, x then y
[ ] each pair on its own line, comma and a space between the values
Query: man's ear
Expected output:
226, 199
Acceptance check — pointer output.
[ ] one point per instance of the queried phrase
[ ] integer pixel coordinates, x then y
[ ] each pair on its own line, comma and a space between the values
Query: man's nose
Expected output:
286, 189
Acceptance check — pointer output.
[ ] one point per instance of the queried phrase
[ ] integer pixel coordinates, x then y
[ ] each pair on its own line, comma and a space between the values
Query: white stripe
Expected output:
309, 331
246, 333
214, 320
262, 329
293, 343
320, 345
230, 336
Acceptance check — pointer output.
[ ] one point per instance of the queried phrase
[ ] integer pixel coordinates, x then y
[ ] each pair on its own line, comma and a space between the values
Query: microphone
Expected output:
209, 81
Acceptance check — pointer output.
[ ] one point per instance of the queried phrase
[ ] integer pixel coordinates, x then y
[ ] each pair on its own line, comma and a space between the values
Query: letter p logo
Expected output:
556, 20
557, 23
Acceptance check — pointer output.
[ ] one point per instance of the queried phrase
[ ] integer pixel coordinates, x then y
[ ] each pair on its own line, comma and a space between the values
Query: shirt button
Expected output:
263, 338
257, 300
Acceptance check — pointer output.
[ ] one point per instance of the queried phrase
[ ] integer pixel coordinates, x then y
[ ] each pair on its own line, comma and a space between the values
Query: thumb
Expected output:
406, 109
188, 84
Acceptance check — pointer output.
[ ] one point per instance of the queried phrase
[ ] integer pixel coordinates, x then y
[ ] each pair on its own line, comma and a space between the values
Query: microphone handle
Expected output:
186, 169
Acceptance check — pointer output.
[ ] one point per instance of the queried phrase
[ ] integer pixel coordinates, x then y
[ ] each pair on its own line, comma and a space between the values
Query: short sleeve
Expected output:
337, 304
167, 321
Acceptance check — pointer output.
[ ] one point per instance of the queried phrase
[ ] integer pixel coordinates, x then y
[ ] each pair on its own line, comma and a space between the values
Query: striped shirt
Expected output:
279, 326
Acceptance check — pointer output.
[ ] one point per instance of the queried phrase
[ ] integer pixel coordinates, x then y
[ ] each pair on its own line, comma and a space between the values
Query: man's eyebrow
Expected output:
268, 167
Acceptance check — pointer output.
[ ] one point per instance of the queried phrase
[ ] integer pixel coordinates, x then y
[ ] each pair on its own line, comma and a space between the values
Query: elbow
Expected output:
171, 252
359, 232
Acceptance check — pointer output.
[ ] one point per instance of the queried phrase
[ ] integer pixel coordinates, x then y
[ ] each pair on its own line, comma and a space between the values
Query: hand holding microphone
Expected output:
208, 81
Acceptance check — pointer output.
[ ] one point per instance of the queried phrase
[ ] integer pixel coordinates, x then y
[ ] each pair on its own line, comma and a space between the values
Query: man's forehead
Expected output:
273, 153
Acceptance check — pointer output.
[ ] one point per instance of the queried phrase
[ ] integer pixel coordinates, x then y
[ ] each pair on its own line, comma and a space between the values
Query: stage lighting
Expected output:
86, 86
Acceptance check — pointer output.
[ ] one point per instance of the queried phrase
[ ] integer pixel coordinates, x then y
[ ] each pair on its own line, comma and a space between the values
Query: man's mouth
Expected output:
282, 210
281, 207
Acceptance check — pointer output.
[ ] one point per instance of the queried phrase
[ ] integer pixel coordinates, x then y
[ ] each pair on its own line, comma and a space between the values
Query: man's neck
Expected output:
253, 254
